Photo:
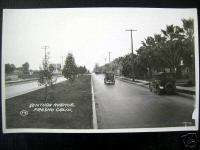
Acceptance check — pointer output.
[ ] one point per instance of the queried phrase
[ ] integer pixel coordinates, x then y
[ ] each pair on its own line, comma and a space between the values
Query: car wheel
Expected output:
169, 89
150, 88
158, 91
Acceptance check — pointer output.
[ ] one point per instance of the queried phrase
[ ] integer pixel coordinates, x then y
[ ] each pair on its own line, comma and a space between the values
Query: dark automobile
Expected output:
109, 78
163, 83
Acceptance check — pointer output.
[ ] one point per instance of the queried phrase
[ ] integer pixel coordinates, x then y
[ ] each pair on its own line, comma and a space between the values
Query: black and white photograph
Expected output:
100, 70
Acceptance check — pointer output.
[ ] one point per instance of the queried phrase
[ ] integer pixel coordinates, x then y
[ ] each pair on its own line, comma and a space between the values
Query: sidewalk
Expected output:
144, 83
29, 86
186, 90
20, 81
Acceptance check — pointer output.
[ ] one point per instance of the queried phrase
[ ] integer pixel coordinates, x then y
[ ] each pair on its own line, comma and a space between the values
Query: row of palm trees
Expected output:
171, 50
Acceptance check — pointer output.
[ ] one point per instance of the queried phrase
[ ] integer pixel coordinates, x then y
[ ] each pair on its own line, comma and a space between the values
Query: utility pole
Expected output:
62, 64
132, 61
109, 65
45, 68
109, 56
45, 55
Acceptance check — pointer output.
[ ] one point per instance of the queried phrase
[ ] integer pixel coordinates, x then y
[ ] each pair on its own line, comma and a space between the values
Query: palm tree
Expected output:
172, 50
189, 48
188, 26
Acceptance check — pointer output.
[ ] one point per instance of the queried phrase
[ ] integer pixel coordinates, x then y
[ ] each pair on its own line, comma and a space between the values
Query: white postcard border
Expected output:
127, 130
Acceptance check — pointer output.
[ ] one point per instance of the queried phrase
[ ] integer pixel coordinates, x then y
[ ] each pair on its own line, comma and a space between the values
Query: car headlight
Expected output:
161, 87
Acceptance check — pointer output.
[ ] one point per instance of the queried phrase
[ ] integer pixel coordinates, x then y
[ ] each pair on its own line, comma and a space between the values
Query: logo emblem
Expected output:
190, 140
23, 113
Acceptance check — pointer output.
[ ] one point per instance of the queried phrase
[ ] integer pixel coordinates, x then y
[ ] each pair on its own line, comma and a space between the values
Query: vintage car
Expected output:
163, 83
109, 78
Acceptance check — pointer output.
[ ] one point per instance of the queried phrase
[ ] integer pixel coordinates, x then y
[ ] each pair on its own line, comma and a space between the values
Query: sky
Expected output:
88, 33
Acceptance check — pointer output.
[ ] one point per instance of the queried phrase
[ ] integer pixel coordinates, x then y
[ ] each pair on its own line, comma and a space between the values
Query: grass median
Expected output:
69, 106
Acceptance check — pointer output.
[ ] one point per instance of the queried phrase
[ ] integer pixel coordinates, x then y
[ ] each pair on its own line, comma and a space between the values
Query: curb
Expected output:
189, 92
94, 115
145, 86
186, 95
131, 82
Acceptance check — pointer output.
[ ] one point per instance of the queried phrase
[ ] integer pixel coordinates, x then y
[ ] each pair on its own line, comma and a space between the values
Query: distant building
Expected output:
57, 69
12, 77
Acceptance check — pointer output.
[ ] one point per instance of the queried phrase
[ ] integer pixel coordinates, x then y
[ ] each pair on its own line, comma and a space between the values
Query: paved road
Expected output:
125, 105
25, 87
